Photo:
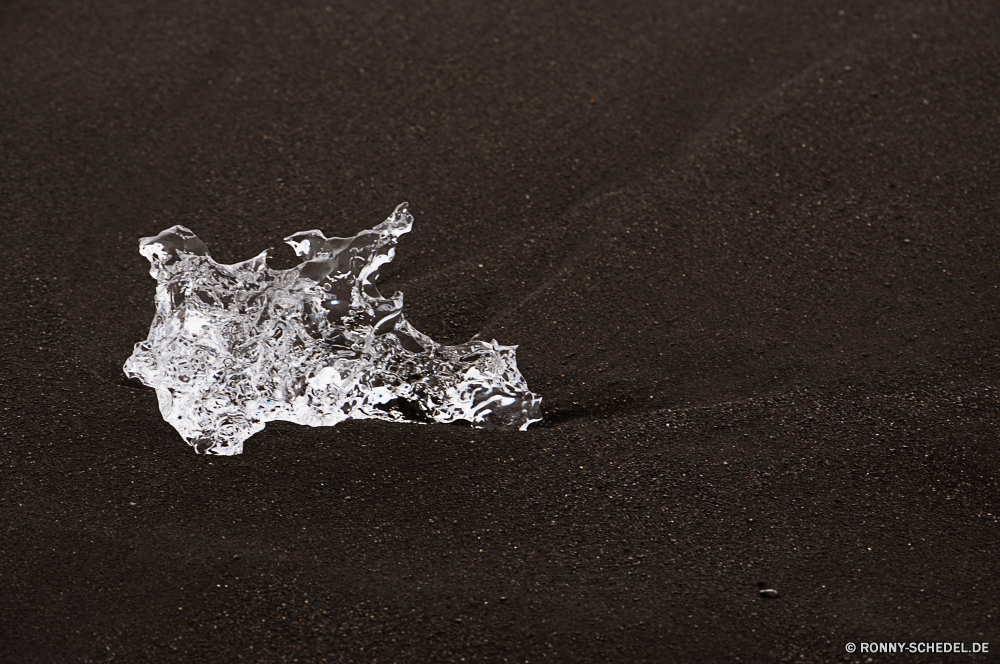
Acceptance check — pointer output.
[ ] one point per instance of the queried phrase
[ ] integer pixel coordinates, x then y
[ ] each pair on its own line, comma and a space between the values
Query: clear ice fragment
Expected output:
234, 346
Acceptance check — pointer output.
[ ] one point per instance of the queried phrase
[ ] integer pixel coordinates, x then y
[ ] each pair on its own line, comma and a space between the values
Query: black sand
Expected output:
749, 252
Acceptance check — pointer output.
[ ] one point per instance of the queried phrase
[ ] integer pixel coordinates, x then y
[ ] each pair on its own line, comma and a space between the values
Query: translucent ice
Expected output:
234, 346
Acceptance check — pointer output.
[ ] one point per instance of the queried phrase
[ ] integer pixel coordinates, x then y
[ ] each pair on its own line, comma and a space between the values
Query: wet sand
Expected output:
748, 252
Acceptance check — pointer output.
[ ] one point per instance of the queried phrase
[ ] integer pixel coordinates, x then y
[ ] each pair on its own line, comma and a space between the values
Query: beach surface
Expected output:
748, 253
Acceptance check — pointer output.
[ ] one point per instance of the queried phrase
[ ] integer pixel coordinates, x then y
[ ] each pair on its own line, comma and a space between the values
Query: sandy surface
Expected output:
749, 253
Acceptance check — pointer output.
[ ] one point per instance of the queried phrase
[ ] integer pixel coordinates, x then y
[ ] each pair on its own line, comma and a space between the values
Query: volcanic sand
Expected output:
748, 252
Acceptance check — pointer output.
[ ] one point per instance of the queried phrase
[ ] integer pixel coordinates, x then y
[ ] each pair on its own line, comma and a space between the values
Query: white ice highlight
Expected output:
234, 346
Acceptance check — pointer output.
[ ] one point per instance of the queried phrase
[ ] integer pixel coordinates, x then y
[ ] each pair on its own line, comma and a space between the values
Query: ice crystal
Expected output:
234, 346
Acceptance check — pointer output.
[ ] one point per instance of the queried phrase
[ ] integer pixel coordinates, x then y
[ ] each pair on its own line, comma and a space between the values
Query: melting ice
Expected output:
234, 346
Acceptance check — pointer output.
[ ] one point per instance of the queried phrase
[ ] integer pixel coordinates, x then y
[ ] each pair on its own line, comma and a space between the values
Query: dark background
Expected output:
749, 253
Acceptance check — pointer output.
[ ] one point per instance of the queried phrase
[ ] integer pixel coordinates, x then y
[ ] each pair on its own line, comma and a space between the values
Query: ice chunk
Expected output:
234, 346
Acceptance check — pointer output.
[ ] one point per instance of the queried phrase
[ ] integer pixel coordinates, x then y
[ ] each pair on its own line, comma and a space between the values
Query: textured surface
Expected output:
754, 281
232, 347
